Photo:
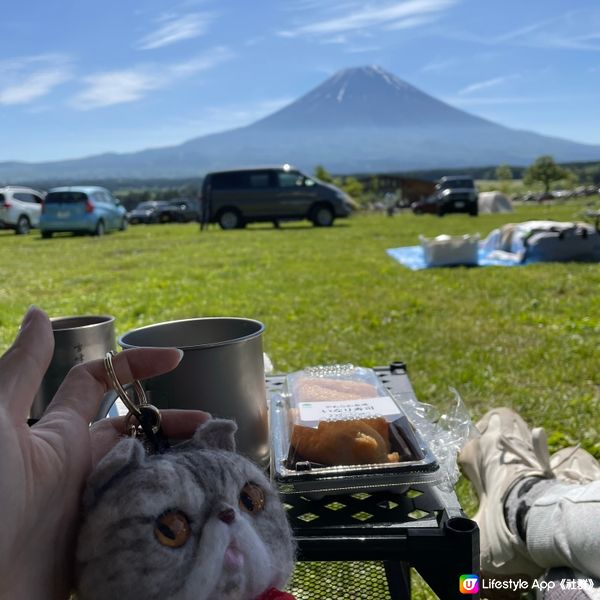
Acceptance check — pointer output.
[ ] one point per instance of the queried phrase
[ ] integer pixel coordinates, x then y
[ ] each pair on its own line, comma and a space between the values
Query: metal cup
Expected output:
76, 340
222, 372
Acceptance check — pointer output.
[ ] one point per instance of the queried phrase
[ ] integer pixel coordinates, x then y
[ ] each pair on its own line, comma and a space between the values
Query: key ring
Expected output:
142, 411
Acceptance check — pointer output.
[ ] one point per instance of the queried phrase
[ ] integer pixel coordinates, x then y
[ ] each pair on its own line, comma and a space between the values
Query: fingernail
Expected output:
28, 316
180, 354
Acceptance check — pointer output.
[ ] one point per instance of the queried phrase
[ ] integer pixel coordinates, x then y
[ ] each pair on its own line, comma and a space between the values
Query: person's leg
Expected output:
559, 520
564, 583
505, 455
528, 519
563, 528
575, 466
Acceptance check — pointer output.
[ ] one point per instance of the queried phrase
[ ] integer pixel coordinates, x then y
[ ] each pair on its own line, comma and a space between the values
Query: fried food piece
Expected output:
343, 442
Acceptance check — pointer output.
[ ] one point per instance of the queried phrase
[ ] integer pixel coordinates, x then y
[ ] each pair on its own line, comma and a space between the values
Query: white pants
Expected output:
563, 528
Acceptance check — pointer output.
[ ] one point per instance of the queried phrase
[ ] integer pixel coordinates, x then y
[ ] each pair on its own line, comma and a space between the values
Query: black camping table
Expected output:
421, 526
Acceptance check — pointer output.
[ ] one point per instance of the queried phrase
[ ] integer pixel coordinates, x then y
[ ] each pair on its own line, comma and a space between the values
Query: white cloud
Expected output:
176, 29
360, 49
503, 100
115, 87
573, 30
398, 15
440, 65
128, 85
223, 117
412, 22
200, 63
482, 85
34, 77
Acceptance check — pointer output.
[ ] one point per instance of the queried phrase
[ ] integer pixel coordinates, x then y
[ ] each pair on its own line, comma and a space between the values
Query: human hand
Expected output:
43, 469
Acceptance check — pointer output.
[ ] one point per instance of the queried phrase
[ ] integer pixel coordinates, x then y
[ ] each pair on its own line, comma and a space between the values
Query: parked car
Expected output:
81, 209
179, 210
145, 212
20, 208
454, 194
237, 197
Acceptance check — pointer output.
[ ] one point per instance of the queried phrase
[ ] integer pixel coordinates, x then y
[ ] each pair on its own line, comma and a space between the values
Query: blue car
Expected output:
81, 209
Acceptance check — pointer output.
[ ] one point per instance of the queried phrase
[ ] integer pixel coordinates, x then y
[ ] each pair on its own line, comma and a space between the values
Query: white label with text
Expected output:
342, 410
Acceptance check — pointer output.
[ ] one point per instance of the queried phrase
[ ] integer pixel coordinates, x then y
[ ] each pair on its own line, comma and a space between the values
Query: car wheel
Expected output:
123, 226
230, 219
23, 226
100, 229
322, 216
46, 235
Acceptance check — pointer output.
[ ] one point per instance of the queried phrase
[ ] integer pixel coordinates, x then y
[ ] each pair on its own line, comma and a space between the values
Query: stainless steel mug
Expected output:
76, 340
222, 372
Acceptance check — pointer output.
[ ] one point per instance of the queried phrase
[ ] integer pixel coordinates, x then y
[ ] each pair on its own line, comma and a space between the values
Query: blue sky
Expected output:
80, 78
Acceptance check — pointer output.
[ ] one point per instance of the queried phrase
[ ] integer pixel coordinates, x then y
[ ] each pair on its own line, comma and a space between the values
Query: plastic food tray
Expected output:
313, 478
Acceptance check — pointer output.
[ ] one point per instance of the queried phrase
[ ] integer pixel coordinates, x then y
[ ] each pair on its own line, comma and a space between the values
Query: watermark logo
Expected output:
468, 584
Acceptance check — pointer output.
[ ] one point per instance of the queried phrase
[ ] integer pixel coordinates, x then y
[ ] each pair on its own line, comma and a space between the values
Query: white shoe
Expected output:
575, 465
505, 453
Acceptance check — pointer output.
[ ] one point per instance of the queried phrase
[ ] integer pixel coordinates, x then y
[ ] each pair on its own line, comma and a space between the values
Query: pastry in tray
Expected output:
315, 389
355, 442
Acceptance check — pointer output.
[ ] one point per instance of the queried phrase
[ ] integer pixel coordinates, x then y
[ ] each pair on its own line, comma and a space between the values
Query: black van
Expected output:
234, 198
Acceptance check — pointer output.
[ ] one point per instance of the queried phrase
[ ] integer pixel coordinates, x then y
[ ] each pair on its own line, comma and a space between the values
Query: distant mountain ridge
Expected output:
362, 119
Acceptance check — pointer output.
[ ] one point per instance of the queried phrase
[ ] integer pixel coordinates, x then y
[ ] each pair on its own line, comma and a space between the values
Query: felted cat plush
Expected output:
198, 522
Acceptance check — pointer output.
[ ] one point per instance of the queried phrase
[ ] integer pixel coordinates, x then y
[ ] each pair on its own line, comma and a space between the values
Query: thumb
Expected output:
23, 365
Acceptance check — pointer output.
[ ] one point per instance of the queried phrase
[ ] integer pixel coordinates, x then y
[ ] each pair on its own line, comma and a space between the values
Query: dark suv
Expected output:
454, 194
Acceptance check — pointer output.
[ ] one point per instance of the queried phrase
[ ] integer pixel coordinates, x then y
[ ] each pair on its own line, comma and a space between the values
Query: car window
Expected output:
102, 197
1, 198
228, 181
25, 197
458, 183
259, 180
65, 197
289, 179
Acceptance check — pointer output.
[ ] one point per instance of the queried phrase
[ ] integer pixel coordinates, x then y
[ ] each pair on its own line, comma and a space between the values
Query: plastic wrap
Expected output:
445, 430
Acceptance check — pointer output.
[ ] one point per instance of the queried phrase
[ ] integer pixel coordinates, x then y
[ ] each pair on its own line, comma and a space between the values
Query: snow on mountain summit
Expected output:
364, 96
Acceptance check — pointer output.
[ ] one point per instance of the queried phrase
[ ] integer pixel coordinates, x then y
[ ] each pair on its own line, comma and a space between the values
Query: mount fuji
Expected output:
359, 120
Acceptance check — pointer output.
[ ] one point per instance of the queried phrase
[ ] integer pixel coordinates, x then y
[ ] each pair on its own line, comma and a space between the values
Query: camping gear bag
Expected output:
562, 242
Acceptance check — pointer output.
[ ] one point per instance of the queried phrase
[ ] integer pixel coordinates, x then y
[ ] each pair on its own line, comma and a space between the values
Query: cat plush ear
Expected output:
216, 434
126, 454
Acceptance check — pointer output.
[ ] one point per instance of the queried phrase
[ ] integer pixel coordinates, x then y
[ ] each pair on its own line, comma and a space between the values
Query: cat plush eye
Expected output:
252, 498
172, 529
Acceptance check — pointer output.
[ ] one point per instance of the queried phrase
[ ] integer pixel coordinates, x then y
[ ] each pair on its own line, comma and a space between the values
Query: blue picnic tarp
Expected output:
413, 257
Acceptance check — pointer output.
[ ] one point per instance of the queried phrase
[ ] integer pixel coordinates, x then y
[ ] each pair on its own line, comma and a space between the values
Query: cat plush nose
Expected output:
227, 515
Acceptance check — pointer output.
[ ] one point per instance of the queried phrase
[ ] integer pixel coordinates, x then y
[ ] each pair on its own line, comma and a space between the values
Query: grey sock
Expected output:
519, 501
564, 583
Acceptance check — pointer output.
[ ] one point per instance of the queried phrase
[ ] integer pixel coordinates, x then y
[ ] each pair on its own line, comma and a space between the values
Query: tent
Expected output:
494, 202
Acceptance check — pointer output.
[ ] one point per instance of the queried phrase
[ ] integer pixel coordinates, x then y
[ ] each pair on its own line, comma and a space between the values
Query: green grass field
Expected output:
525, 337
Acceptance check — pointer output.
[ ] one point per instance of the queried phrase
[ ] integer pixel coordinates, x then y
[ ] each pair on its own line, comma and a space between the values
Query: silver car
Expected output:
20, 208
